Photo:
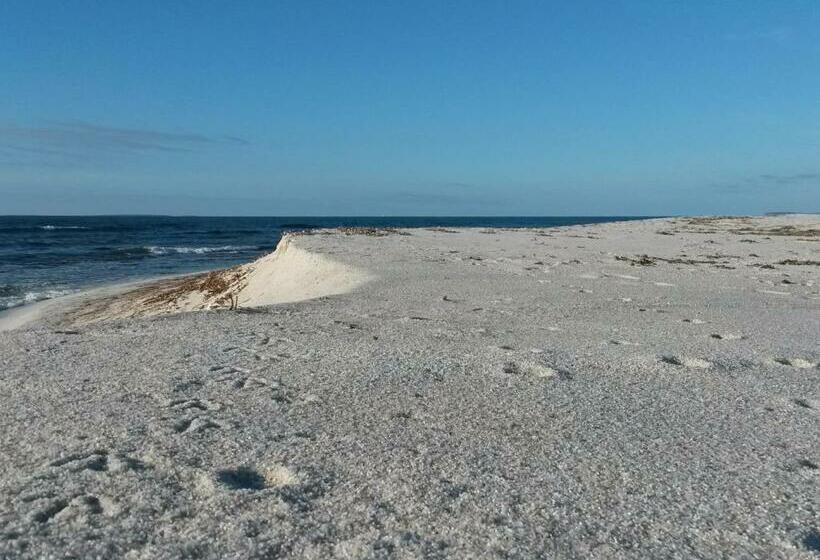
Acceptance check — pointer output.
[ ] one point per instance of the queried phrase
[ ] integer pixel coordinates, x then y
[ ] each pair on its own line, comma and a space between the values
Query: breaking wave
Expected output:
199, 250
50, 227
23, 298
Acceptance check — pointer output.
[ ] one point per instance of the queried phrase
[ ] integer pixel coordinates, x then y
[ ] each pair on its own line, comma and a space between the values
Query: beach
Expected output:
642, 389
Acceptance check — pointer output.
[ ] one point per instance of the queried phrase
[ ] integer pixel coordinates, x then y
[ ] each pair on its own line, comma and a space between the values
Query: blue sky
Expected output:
409, 108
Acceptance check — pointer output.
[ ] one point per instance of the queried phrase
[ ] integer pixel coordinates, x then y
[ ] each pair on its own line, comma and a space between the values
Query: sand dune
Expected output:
293, 274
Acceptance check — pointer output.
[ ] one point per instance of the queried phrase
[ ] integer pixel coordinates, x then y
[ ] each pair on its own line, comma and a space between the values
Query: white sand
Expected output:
643, 389
292, 274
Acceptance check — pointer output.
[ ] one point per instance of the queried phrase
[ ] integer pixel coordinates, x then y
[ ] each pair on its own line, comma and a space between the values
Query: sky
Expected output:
409, 108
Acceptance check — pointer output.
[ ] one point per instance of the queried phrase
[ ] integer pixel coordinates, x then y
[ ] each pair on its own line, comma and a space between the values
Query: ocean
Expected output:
43, 257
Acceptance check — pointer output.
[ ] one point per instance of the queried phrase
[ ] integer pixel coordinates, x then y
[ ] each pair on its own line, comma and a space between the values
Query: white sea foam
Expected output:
155, 250
52, 227
32, 297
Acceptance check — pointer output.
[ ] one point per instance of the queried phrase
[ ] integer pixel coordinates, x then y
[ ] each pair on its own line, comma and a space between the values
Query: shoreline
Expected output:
297, 275
29, 315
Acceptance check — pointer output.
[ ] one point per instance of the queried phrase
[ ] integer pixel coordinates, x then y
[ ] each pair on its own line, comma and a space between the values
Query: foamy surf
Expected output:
26, 297
50, 227
157, 250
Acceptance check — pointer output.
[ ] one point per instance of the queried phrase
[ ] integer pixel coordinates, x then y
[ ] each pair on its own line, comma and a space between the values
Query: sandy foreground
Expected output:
644, 389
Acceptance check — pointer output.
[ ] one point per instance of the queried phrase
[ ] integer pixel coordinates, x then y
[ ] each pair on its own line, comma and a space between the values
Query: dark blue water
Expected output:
44, 257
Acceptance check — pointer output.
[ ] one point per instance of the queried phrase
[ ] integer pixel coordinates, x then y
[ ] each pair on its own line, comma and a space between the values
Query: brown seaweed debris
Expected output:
641, 260
783, 231
369, 231
372, 232
221, 284
739, 225
648, 260
796, 262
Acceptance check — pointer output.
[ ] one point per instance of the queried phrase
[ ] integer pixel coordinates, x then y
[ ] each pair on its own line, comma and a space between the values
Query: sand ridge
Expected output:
288, 274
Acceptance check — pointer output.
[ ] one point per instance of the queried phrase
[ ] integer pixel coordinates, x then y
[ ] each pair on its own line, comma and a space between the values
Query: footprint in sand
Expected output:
243, 478
193, 425
234, 381
803, 464
100, 461
49, 511
727, 336
79, 510
250, 479
799, 363
533, 369
74, 507
93, 461
696, 363
228, 370
119, 463
188, 404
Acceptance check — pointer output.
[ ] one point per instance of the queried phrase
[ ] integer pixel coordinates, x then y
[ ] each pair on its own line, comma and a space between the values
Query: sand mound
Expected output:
287, 275
292, 274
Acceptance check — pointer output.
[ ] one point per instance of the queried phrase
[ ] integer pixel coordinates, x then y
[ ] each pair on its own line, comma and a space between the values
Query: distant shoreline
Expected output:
33, 313
48, 256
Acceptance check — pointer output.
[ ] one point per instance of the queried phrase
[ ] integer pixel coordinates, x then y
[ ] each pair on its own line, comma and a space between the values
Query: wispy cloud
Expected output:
771, 181
74, 141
